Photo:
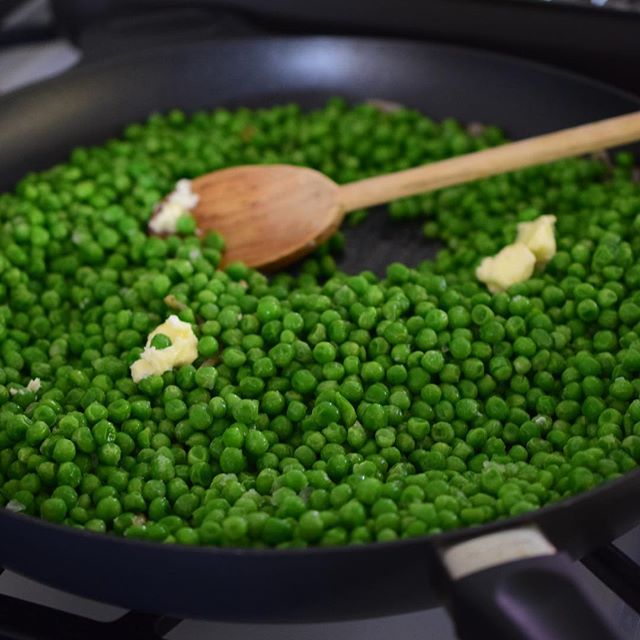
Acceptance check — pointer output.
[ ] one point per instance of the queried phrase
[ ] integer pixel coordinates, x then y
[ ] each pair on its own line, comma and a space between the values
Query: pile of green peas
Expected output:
324, 408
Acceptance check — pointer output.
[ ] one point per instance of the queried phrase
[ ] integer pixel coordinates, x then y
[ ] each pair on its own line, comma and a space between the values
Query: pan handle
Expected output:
514, 584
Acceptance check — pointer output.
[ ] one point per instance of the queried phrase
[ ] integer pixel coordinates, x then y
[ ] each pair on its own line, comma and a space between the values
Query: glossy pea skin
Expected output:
322, 408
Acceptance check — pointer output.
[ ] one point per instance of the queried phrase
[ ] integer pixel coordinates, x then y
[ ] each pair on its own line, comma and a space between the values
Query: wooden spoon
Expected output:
271, 215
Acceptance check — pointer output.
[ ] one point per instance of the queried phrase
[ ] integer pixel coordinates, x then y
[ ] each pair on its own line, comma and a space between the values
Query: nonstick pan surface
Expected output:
40, 125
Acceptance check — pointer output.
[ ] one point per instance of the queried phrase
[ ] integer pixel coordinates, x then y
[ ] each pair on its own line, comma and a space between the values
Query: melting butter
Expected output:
539, 237
183, 350
534, 246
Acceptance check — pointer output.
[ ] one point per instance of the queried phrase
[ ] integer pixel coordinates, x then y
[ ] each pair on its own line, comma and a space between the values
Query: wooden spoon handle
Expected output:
489, 162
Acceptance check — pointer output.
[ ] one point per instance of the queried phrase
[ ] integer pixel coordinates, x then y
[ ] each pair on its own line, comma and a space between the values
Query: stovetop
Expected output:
32, 611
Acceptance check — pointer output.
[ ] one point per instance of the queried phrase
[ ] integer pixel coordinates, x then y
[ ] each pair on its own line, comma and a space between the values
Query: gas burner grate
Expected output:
618, 571
21, 620
618, 5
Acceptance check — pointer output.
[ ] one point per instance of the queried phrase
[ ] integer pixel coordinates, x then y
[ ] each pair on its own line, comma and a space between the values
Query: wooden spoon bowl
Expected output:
270, 215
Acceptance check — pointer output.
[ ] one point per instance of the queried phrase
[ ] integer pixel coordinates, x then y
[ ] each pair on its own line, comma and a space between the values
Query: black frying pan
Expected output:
529, 592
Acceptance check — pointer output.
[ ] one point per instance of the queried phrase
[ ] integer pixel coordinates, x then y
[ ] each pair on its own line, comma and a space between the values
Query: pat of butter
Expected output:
514, 263
183, 350
539, 237
182, 200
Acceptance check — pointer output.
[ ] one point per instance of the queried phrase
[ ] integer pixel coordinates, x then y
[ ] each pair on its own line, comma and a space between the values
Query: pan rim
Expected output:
154, 50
